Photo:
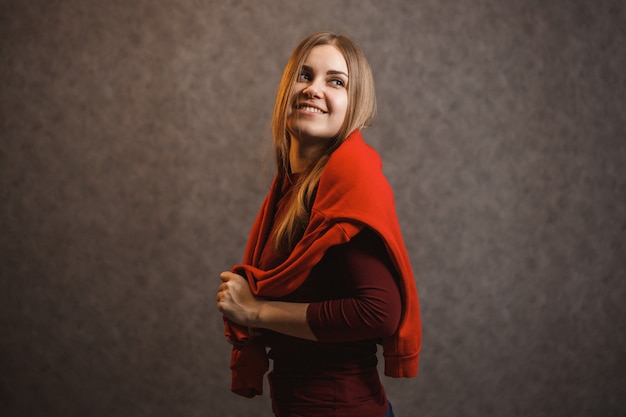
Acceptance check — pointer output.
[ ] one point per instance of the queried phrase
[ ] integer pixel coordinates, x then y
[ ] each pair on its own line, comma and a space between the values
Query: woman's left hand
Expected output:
236, 301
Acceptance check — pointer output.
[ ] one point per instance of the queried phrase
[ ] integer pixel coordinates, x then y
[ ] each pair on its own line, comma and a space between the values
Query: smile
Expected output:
309, 109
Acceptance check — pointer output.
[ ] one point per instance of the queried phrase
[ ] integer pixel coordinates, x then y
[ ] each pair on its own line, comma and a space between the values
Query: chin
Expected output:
312, 133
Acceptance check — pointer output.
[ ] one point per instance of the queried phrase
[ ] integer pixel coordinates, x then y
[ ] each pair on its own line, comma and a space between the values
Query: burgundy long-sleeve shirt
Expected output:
354, 301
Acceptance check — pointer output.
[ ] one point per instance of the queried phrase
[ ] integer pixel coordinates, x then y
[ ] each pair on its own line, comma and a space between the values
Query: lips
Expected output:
310, 108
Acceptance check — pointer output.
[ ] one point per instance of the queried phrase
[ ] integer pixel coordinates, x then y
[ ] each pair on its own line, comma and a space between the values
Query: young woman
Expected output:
326, 276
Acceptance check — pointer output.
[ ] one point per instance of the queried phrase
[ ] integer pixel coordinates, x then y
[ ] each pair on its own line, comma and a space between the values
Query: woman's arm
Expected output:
238, 304
372, 305
370, 309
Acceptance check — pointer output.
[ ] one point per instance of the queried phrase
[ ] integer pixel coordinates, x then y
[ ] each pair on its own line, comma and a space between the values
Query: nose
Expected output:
313, 90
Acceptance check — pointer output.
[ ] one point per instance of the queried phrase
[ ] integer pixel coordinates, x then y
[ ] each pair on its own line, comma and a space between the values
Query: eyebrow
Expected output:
331, 72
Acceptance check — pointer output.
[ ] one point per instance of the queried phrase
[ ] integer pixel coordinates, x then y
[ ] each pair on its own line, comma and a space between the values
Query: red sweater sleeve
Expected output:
372, 306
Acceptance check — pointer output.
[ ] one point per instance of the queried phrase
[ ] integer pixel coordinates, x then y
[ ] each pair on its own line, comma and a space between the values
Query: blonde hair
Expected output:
360, 114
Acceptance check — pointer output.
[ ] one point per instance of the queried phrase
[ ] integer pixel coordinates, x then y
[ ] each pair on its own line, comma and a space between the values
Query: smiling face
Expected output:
319, 97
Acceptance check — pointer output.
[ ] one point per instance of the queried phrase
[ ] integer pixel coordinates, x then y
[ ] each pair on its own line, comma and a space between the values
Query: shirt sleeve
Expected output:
372, 306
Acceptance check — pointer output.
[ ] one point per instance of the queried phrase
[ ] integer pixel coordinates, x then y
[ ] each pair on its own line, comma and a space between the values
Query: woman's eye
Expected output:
304, 76
337, 82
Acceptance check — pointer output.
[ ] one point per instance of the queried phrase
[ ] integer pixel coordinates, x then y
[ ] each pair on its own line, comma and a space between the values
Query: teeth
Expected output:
311, 109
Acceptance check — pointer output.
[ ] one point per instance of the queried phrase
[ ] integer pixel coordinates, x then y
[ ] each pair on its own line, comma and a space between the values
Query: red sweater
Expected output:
352, 194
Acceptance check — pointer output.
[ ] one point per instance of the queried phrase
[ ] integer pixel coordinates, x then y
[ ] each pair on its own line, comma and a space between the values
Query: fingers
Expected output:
232, 292
227, 276
225, 290
222, 291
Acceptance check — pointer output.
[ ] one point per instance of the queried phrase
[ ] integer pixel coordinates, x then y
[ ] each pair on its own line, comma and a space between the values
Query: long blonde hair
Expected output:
360, 113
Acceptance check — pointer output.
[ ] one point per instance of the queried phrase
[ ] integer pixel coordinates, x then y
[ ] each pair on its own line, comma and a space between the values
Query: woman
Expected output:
326, 276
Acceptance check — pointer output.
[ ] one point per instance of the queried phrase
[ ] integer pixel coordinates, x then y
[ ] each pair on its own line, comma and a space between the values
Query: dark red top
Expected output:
354, 301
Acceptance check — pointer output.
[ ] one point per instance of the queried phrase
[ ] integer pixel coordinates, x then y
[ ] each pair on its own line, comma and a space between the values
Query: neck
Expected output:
303, 156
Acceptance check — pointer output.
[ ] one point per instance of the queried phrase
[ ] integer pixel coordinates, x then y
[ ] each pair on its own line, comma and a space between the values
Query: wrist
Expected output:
256, 315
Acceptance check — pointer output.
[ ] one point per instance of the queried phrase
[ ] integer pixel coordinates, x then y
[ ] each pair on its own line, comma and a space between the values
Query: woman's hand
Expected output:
236, 301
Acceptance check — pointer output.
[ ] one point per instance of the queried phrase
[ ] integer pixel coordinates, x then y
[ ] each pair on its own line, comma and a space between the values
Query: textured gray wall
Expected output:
134, 156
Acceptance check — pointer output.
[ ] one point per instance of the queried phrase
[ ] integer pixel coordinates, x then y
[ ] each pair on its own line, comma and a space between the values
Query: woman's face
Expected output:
320, 96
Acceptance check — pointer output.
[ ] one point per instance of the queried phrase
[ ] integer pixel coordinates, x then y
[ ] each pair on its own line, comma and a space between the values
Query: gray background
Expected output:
135, 154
